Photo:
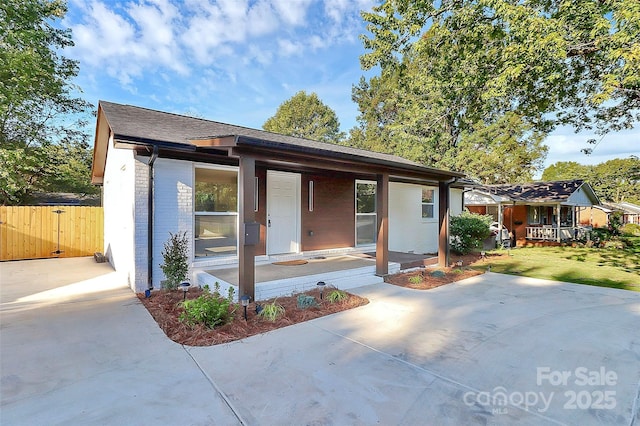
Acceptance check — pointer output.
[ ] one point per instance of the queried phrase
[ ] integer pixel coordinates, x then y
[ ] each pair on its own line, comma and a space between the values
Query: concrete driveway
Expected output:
493, 349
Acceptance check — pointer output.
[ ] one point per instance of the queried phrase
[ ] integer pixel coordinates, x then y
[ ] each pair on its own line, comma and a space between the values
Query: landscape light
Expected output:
245, 302
321, 285
184, 286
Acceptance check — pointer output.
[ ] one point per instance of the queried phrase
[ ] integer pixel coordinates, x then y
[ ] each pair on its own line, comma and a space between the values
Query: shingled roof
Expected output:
131, 124
535, 192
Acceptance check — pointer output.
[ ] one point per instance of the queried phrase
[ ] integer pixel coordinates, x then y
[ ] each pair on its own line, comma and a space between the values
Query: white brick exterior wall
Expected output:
455, 201
119, 212
141, 222
126, 212
408, 231
173, 210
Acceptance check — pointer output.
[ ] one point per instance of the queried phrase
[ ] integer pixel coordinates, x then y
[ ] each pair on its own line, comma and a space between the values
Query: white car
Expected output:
495, 230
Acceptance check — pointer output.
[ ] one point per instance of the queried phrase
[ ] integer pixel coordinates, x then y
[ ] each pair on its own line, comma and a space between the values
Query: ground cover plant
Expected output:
167, 307
607, 266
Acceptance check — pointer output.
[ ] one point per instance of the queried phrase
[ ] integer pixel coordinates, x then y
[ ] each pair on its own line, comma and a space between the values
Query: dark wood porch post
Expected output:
382, 211
443, 221
246, 214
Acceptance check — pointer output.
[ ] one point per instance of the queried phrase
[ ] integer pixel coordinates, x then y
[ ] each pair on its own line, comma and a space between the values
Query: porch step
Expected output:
343, 280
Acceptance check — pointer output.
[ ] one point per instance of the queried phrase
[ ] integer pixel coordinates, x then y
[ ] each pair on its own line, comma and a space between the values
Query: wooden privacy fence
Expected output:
29, 232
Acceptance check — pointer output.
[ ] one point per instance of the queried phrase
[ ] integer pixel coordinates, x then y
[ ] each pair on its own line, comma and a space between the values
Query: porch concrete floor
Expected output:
271, 272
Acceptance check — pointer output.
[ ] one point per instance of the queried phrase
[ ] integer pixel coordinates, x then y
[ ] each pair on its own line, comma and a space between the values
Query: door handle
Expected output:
269, 223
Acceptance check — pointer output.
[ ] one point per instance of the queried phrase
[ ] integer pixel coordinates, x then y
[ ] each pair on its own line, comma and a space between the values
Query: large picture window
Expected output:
366, 217
216, 212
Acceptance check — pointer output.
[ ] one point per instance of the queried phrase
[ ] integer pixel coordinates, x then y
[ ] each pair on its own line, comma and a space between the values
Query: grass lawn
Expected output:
604, 267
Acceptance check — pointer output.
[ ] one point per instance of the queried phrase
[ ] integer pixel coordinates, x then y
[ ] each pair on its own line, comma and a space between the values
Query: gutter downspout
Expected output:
152, 160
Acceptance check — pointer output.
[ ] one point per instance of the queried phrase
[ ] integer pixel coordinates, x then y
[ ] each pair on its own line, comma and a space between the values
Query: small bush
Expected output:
630, 230
416, 279
272, 311
210, 309
305, 301
600, 235
337, 296
468, 230
174, 254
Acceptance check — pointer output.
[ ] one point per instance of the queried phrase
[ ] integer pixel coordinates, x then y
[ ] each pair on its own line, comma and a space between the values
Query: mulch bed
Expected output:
164, 307
427, 281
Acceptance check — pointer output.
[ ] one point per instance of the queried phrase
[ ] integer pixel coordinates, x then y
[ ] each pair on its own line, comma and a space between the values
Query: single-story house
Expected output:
595, 216
243, 195
534, 212
630, 211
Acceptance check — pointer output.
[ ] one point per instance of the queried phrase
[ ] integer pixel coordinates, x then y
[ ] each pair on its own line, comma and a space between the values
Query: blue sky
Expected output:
236, 61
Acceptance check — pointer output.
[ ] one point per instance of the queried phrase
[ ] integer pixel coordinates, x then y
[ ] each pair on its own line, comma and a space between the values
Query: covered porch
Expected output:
293, 274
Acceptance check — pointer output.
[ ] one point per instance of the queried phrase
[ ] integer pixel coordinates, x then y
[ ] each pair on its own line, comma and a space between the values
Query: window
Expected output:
566, 216
538, 215
428, 202
216, 212
366, 217
493, 211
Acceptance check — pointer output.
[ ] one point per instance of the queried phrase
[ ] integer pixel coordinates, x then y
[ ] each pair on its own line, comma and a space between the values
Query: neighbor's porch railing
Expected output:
551, 234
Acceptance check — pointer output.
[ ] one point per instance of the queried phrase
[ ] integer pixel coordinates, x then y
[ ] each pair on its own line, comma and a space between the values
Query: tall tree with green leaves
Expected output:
43, 138
448, 68
306, 116
614, 180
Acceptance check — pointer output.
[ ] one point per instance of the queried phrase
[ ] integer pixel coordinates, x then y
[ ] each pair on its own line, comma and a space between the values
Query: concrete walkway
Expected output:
493, 349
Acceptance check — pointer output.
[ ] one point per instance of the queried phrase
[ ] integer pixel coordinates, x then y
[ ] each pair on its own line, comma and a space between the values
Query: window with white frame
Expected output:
366, 217
428, 203
537, 215
216, 212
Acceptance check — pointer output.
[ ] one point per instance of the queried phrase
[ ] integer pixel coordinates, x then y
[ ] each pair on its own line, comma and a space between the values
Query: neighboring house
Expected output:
534, 212
596, 216
630, 212
242, 194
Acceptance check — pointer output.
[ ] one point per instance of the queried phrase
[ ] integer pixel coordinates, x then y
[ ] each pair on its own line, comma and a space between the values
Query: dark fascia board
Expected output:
134, 142
261, 143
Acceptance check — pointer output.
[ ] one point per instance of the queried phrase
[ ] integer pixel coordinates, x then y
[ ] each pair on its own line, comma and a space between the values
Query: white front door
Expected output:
283, 212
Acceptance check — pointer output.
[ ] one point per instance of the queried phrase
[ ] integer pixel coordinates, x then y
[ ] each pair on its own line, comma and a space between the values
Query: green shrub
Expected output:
600, 235
630, 230
272, 311
305, 301
615, 222
468, 230
336, 296
209, 309
174, 254
416, 279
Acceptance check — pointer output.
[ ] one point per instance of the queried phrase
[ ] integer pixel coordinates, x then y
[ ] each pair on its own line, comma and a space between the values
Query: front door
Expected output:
283, 212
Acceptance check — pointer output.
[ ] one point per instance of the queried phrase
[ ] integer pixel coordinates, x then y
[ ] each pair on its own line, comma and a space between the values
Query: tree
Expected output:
566, 170
507, 151
415, 110
306, 116
42, 136
549, 61
614, 180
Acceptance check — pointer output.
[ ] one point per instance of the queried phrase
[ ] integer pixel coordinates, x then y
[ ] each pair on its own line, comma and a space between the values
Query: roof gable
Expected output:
574, 192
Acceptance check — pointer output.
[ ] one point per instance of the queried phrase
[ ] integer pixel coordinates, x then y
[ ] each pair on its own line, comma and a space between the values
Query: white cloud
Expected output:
290, 48
128, 43
564, 145
292, 12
